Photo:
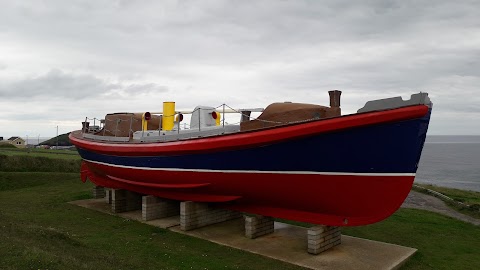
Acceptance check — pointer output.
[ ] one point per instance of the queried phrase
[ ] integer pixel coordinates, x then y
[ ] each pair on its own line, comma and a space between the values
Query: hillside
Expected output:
62, 141
6, 145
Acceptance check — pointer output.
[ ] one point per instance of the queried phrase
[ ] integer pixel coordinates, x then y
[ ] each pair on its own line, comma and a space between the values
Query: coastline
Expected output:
450, 161
418, 200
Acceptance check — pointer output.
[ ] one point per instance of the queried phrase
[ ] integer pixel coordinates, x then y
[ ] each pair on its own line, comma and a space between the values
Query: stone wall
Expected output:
124, 200
256, 226
154, 208
195, 215
98, 192
321, 238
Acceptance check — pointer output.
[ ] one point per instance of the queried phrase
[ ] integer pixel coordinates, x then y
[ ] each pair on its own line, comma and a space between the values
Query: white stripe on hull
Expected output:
250, 171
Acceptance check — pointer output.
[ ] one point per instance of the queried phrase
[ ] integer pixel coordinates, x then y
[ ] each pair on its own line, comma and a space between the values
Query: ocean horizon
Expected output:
451, 161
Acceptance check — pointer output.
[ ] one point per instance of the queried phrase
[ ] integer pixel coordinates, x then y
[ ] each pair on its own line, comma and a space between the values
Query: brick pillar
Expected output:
195, 215
98, 192
154, 207
256, 226
108, 195
321, 238
124, 200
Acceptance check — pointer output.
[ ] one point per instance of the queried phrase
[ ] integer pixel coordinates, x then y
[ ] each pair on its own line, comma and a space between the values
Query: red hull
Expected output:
320, 196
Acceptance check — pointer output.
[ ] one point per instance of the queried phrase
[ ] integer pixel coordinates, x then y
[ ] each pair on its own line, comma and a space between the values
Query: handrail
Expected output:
219, 111
223, 109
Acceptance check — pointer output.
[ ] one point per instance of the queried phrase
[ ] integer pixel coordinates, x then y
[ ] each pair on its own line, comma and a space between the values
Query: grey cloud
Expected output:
57, 84
27, 115
245, 52
145, 89
179, 32
54, 85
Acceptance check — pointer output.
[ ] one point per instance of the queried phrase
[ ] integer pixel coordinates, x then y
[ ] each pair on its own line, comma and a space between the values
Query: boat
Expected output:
301, 162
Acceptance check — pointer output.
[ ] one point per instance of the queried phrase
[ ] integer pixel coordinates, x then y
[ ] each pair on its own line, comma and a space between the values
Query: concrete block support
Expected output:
256, 226
98, 192
321, 238
124, 201
195, 215
154, 207
108, 195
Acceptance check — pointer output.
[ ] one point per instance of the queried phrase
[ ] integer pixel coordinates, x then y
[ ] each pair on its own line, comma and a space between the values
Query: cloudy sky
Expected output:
61, 61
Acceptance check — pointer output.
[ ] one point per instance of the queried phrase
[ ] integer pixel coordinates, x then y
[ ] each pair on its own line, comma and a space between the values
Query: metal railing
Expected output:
243, 113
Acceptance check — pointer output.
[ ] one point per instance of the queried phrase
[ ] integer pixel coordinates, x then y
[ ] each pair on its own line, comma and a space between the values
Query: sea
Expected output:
451, 161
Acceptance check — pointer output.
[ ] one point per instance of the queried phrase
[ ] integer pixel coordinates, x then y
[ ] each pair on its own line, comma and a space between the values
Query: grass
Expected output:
40, 230
26, 163
56, 154
442, 242
6, 145
470, 198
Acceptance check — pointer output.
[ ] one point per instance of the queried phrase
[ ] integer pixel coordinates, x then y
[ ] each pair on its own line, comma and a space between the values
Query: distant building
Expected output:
1, 139
17, 141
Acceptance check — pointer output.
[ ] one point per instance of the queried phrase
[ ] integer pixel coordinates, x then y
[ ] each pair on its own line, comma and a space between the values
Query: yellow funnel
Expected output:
145, 118
168, 115
217, 120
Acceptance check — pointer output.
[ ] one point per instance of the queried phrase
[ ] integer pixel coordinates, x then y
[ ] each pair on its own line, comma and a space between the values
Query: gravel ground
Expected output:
419, 200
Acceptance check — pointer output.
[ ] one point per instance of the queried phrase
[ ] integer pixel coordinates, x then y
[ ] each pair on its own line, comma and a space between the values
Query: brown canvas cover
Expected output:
118, 124
277, 114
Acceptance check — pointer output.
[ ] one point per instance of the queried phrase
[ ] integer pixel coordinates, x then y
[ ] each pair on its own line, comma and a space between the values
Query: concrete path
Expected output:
422, 201
287, 243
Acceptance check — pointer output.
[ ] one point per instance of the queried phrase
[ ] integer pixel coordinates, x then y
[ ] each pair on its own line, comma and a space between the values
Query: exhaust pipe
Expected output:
335, 98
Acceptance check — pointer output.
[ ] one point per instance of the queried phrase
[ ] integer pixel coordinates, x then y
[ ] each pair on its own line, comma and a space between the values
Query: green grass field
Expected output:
55, 154
22, 163
442, 242
4, 145
39, 229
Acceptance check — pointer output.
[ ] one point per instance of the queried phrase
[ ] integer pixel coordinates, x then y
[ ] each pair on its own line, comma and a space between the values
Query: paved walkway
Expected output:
287, 243
419, 200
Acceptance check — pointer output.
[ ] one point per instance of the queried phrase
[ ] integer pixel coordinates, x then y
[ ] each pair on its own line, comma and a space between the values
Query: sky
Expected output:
62, 61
